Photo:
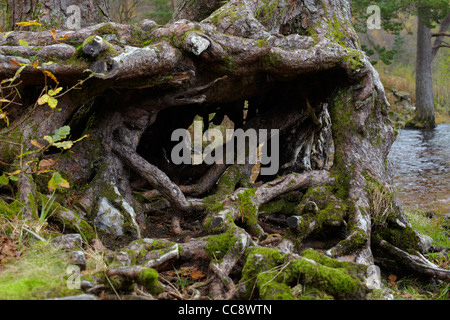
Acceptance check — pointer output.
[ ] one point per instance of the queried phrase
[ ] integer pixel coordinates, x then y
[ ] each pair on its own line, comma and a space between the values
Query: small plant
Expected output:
183, 282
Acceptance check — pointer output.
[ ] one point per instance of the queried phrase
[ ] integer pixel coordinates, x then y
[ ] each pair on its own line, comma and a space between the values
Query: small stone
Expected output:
68, 241
97, 245
109, 218
77, 258
425, 242
148, 24
86, 285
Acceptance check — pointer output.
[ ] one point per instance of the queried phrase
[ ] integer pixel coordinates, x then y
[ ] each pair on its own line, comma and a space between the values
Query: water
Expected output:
421, 160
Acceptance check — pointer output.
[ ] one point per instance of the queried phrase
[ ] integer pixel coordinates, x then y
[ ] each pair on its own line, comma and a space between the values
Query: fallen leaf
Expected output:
35, 143
51, 75
197, 275
392, 277
14, 62
46, 164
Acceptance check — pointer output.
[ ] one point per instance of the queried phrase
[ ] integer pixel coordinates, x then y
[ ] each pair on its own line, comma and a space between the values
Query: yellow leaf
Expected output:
64, 38
51, 75
35, 64
257, 167
28, 23
23, 43
53, 93
53, 33
52, 102
274, 235
43, 99
6, 34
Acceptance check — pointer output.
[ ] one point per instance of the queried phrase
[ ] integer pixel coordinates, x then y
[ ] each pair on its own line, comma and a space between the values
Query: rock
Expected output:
109, 218
147, 24
373, 280
86, 285
68, 241
425, 242
77, 258
97, 245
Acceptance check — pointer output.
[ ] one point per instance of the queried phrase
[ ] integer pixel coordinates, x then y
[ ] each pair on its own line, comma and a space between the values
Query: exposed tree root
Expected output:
415, 262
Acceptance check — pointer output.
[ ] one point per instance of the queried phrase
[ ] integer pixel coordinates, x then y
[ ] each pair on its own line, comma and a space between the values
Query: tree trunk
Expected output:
424, 115
295, 67
52, 14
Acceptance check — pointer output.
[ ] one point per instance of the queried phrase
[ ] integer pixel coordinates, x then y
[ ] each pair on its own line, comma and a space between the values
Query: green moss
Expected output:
354, 59
280, 206
271, 60
219, 245
110, 52
262, 43
403, 238
269, 11
335, 281
40, 273
107, 29
149, 278
12, 209
258, 272
273, 274
230, 13
245, 205
69, 219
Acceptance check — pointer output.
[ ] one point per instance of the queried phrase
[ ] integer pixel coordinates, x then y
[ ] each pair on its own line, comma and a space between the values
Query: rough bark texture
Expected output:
54, 14
292, 66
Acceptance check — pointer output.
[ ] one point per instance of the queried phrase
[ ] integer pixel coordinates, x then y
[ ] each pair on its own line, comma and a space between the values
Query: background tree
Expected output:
429, 13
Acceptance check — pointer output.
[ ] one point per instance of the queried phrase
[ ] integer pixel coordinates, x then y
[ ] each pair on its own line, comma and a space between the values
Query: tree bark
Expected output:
291, 66
55, 14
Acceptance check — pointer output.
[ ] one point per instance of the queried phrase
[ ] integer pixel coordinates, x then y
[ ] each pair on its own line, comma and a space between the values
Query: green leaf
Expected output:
57, 182
52, 102
23, 43
61, 133
53, 93
64, 145
4, 180
49, 139
13, 178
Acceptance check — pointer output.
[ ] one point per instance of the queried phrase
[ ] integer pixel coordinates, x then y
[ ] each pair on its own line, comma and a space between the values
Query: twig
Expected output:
34, 234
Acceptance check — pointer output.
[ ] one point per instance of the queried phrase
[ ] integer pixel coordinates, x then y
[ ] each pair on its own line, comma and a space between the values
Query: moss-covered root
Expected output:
66, 217
124, 277
270, 274
225, 250
320, 210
